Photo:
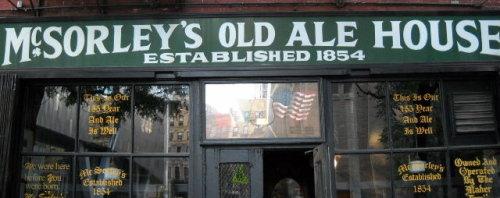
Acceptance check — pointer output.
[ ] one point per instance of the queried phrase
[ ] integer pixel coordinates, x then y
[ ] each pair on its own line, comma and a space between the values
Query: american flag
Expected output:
297, 108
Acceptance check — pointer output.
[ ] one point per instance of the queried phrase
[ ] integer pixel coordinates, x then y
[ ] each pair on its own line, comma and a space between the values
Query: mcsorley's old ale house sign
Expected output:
329, 40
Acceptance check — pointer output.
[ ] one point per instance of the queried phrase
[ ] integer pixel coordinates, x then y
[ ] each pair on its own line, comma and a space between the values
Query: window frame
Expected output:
447, 125
264, 141
76, 153
197, 131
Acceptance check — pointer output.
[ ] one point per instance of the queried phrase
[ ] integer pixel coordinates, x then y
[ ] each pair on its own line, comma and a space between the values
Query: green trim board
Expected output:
256, 41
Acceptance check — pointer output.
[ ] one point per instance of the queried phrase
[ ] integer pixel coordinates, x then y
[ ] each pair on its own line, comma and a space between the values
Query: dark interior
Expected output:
289, 167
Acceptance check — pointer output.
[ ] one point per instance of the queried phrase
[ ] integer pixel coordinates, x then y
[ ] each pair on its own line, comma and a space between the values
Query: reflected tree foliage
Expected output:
153, 98
109, 91
54, 125
67, 94
46, 122
400, 140
396, 115
377, 93
35, 96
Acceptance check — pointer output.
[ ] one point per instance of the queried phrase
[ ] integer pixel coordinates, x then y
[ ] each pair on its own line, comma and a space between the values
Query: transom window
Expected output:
262, 110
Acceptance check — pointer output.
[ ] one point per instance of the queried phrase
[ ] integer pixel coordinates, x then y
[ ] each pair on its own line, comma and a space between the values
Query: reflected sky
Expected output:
225, 97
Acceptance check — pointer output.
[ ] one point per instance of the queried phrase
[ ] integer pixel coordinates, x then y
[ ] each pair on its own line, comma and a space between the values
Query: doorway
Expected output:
288, 174
257, 172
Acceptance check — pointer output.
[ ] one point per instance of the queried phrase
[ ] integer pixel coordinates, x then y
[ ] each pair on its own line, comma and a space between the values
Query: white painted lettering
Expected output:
394, 33
80, 41
16, 41
299, 34
139, 38
435, 36
52, 42
165, 35
271, 34
343, 33
117, 40
93, 41
227, 29
408, 34
191, 34
486, 37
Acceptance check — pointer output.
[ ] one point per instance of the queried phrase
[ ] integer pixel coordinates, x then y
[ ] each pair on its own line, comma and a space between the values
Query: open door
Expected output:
234, 173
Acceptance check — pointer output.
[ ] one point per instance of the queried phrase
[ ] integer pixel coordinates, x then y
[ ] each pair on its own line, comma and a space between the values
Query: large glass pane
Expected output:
475, 173
359, 116
366, 175
262, 110
160, 177
161, 119
416, 114
105, 124
420, 174
103, 177
50, 119
44, 176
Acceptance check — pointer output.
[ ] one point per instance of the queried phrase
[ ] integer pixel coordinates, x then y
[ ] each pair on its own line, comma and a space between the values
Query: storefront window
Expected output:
46, 176
420, 174
161, 112
125, 141
50, 119
262, 110
103, 177
105, 119
413, 153
359, 116
425, 138
160, 177
363, 175
475, 173
416, 114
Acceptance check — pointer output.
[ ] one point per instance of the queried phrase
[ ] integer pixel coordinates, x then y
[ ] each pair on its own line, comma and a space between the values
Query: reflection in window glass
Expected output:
44, 176
262, 110
475, 173
359, 116
420, 175
363, 175
105, 119
160, 177
416, 114
50, 119
161, 111
102, 177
